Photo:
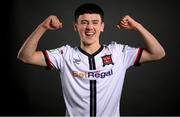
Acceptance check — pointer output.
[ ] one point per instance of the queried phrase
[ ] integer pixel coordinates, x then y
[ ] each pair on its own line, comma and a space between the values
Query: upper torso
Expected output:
92, 84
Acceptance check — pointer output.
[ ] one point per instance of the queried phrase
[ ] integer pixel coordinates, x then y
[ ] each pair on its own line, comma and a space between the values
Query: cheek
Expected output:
81, 28
78, 29
81, 31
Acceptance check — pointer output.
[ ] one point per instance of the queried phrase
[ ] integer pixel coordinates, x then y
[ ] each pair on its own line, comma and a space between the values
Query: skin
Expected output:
89, 27
153, 49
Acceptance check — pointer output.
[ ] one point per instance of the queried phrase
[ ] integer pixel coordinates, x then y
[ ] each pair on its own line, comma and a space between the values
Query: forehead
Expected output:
88, 16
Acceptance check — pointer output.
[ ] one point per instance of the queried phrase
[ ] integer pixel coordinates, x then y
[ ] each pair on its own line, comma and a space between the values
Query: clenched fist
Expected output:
52, 23
127, 23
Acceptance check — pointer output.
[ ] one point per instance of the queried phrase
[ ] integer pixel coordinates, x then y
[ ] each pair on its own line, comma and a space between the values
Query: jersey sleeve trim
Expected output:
47, 59
136, 62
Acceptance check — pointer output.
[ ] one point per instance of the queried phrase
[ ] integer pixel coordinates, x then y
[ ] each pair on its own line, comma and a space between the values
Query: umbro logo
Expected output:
76, 61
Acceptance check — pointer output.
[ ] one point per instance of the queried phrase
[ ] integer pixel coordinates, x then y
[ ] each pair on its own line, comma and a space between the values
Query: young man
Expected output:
92, 75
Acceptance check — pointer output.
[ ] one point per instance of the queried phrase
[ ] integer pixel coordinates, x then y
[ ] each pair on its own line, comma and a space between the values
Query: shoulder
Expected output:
62, 50
115, 46
68, 50
120, 48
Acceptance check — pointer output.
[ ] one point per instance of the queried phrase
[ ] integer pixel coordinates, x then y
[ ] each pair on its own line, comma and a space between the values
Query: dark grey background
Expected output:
152, 89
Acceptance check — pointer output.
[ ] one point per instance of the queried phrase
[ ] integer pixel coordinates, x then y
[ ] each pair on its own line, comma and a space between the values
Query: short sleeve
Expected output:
128, 55
131, 55
55, 57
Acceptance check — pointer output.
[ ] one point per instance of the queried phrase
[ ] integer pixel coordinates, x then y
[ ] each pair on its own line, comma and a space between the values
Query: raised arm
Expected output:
28, 53
153, 49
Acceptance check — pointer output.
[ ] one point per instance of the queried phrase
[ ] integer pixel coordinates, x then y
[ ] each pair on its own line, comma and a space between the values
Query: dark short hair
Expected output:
88, 8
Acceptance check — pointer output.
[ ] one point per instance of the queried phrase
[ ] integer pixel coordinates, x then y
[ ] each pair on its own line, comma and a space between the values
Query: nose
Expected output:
89, 26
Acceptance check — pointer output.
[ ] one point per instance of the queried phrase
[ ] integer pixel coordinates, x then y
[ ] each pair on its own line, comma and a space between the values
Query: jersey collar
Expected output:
94, 54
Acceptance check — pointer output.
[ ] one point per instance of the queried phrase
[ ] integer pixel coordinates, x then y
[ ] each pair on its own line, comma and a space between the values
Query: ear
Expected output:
75, 27
102, 26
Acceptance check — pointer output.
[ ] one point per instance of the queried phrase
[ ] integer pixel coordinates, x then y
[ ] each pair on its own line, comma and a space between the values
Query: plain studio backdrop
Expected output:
151, 89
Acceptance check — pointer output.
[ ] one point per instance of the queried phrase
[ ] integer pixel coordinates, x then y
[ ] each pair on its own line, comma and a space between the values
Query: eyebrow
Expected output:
91, 20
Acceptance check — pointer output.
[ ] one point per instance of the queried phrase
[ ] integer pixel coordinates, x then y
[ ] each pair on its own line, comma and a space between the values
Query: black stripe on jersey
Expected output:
92, 66
92, 98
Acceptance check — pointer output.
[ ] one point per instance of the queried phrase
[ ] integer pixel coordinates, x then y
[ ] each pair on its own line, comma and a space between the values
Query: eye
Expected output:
96, 22
84, 22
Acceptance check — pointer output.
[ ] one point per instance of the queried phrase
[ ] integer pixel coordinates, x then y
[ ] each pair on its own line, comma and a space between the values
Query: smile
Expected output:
89, 33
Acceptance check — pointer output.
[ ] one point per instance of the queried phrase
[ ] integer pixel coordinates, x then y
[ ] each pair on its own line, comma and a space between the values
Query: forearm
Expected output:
152, 46
30, 45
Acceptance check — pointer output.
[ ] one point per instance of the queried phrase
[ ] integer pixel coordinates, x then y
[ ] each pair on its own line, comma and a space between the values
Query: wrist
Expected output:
137, 26
42, 28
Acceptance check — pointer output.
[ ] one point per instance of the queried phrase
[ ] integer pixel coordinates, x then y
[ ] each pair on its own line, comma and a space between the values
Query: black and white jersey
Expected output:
92, 83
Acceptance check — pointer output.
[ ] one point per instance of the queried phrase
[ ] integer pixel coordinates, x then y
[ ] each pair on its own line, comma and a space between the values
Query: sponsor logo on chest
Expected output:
94, 74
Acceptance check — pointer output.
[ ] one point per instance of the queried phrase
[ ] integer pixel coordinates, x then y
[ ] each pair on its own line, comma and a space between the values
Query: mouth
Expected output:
89, 34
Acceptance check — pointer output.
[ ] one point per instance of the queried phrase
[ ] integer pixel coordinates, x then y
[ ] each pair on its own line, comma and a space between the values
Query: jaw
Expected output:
89, 40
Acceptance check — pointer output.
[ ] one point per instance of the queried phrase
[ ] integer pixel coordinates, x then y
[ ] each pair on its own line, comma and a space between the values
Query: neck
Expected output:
91, 48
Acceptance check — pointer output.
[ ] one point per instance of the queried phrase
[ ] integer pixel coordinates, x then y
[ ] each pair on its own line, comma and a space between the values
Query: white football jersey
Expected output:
92, 83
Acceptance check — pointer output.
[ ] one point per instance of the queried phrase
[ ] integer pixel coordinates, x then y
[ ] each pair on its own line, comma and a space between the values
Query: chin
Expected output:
88, 42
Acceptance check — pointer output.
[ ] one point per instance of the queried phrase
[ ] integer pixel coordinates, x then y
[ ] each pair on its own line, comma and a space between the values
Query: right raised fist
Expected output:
52, 23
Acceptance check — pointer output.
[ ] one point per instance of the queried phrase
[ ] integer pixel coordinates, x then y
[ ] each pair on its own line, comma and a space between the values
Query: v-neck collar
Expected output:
94, 54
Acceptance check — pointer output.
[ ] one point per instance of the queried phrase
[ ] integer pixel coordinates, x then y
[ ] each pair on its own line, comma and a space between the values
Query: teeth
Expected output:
89, 33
